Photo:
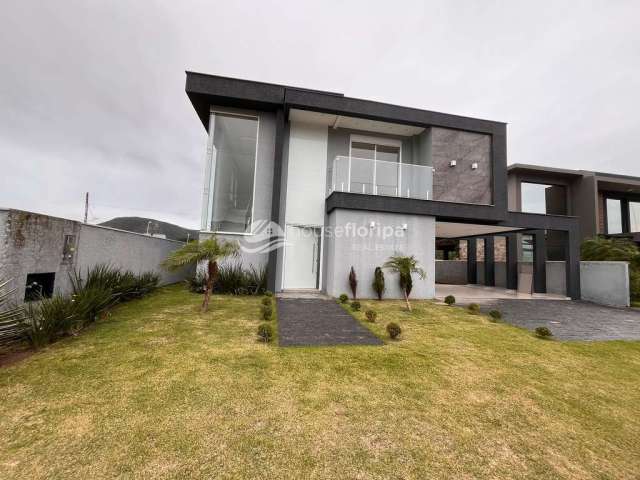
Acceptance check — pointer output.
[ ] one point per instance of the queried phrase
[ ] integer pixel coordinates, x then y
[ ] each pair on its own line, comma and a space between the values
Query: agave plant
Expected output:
13, 325
405, 266
209, 251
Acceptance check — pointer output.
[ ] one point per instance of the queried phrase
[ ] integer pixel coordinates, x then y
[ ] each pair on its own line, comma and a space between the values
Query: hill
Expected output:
139, 225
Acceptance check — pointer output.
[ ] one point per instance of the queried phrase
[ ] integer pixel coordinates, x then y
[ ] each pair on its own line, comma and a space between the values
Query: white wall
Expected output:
366, 251
307, 170
606, 283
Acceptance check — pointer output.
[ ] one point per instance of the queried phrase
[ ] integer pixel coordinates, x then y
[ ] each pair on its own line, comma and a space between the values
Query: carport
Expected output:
481, 261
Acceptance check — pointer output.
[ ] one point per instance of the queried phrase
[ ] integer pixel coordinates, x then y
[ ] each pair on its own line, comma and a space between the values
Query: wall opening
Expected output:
39, 285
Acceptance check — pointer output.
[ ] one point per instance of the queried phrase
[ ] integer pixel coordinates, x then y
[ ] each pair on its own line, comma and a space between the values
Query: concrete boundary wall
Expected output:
35, 243
606, 283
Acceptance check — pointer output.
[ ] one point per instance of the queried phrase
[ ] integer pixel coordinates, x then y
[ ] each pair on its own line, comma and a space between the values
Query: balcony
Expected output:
378, 177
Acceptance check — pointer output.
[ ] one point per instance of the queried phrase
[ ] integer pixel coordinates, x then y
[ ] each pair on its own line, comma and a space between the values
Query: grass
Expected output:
159, 390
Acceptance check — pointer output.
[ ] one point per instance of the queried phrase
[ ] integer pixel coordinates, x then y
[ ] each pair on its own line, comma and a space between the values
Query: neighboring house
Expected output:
39, 253
348, 182
606, 203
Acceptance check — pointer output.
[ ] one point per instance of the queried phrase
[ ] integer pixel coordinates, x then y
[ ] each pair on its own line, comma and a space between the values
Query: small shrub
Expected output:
355, 306
449, 300
495, 315
353, 282
344, 298
267, 312
265, 332
393, 329
378, 282
473, 308
196, 284
266, 301
371, 315
268, 293
543, 332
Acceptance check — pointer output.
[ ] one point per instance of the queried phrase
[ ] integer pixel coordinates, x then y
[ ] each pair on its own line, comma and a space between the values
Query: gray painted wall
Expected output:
451, 272
606, 283
366, 252
556, 278
461, 183
33, 243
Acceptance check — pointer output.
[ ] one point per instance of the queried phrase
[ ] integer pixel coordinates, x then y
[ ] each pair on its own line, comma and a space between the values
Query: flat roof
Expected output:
205, 90
615, 177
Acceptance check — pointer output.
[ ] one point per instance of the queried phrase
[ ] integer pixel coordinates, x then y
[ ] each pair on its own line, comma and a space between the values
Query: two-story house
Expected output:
348, 182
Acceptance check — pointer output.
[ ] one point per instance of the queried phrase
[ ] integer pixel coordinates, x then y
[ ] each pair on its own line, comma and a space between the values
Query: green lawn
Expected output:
158, 390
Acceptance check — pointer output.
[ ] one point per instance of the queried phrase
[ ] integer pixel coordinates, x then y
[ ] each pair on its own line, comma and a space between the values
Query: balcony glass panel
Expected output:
378, 177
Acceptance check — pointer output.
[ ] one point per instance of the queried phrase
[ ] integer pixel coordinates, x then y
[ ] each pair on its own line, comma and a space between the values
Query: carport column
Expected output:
472, 267
489, 262
539, 262
512, 261
572, 265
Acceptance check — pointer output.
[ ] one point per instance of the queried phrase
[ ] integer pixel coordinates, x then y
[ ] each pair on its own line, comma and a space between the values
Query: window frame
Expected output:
530, 182
211, 180
375, 141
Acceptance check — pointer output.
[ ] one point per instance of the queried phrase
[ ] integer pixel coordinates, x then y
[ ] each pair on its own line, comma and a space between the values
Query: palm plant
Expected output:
404, 266
209, 251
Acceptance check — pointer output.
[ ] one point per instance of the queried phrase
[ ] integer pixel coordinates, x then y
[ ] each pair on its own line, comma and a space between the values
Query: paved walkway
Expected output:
569, 320
319, 321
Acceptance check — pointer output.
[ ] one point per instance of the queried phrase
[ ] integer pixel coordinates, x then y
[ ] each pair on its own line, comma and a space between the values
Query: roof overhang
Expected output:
204, 90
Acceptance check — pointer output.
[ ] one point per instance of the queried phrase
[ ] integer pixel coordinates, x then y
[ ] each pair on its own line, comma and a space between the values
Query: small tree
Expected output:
378, 282
209, 251
404, 266
353, 282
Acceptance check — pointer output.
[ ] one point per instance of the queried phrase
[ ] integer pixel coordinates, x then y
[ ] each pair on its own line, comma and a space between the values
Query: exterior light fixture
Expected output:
474, 166
404, 226
372, 224
452, 163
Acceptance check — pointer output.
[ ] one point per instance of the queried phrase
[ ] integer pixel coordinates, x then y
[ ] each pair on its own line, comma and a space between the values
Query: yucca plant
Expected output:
405, 266
12, 317
210, 251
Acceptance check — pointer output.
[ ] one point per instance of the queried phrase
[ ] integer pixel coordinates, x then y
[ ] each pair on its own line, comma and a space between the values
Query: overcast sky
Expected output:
92, 92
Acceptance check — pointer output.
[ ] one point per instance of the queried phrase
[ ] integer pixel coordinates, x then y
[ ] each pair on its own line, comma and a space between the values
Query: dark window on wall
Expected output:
526, 252
545, 199
39, 285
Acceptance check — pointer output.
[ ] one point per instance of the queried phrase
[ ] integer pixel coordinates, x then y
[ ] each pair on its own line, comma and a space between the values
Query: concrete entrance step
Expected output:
303, 293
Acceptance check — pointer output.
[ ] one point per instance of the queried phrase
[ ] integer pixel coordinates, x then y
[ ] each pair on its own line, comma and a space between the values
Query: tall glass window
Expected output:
526, 252
614, 216
634, 217
233, 164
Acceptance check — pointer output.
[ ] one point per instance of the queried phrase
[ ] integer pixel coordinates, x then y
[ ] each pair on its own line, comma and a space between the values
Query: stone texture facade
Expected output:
500, 249
461, 183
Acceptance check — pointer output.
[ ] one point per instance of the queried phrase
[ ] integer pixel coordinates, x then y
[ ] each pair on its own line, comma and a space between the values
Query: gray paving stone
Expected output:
570, 320
316, 321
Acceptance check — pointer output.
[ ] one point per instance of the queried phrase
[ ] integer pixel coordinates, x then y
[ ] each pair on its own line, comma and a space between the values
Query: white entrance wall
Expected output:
362, 239
307, 174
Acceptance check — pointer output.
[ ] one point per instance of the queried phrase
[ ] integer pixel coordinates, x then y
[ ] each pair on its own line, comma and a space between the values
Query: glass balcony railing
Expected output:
377, 177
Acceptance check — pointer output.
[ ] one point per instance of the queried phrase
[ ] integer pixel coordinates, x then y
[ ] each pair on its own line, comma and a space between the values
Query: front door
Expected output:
302, 257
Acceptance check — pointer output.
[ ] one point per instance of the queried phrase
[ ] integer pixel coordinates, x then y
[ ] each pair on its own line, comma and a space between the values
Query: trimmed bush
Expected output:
449, 300
355, 306
344, 298
543, 332
378, 282
265, 332
353, 282
495, 315
394, 330
473, 308
266, 301
267, 312
197, 283
371, 315
268, 293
